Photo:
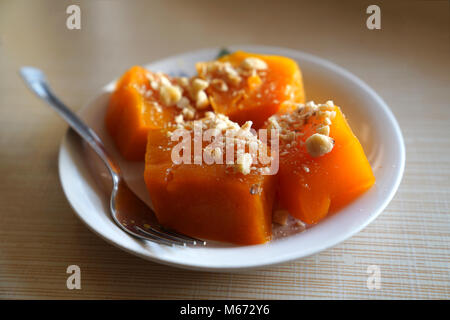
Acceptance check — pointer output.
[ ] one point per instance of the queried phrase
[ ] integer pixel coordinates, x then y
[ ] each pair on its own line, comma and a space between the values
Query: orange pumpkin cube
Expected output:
321, 174
144, 101
209, 201
247, 86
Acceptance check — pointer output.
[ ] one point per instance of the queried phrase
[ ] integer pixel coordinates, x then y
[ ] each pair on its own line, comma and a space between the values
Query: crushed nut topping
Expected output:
330, 103
247, 126
199, 84
188, 113
243, 163
154, 84
183, 81
228, 131
232, 74
219, 84
290, 126
201, 100
221, 74
219, 68
318, 144
325, 130
170, 94
183, 103
179, 119
253, 64
197, 93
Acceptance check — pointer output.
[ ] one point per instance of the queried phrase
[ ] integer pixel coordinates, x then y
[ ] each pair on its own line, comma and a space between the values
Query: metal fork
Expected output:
127, 210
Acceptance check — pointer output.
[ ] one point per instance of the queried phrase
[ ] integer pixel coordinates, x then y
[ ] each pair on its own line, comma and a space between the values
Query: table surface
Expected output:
407, 62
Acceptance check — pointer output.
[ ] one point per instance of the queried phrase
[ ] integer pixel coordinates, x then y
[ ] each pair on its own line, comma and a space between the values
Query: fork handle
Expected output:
37, 82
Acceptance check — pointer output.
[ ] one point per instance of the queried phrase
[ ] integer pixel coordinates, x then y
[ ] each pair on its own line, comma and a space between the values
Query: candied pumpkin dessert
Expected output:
209, 175
201, 191
322, 164
144, 101
247, 86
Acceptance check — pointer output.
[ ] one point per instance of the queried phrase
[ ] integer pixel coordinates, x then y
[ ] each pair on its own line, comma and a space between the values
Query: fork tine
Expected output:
158, 234
192, 240
147, 236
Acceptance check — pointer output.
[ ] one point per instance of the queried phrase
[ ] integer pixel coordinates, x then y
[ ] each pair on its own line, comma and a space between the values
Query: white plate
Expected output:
369, 117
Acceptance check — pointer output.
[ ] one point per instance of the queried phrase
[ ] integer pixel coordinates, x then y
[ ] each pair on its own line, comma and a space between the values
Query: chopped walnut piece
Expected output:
170, 94
219, 84
188, 112
154, 84
247, 125
332, 114
201, 100
243, 163
199, 84
318, 144
179, 119
163, 79
210, 115
183, 103
253, 64
183, 81
148, 94
325, 130
223, 69
232, 74
228, 132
